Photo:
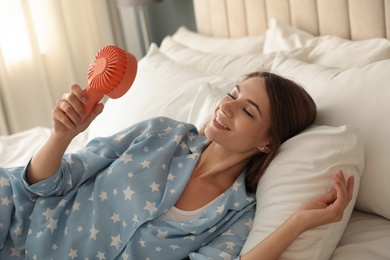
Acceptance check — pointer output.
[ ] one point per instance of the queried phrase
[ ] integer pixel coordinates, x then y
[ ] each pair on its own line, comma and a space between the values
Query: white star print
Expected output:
127, 158
4, 182
54, 247
5, 201
225, 256
180, 165
101, 256
52, 225
73, 254
236, 185
115, 217
183, 145
18, 231
125, 256
146, 149
76, 206
15, 252
135, 219
62, 203
174, 247
39, 234
177, 139
154, 186
168, 129
145, 164
162, 234
128, 193
142, 243
220, 209
228, 233
190, 237
171, 176
103, 196
93, 232
116, 241
150, 206
158, 249
48, 213
192, 156
230, 245
191, 136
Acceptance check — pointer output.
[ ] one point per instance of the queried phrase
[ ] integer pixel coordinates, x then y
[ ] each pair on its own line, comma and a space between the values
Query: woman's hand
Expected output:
69, 120
69, 117
326, 208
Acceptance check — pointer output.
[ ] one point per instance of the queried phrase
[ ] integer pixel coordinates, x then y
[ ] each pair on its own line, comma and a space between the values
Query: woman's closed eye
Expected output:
246, 111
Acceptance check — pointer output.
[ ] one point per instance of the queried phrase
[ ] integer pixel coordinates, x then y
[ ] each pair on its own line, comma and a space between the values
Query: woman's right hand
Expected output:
69, 117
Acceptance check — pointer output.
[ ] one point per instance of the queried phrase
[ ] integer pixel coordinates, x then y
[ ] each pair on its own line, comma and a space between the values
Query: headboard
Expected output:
350, 19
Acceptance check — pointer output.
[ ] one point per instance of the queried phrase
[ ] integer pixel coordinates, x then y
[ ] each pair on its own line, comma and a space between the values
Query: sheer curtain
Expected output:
45, 46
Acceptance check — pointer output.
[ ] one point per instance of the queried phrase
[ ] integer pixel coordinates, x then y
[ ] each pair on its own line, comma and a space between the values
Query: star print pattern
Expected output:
105, 202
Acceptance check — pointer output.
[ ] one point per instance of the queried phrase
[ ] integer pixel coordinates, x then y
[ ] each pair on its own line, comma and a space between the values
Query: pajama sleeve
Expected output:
84, 166
227, 245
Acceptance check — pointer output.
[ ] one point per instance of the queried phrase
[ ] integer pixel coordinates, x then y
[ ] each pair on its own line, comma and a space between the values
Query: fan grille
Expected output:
108, 79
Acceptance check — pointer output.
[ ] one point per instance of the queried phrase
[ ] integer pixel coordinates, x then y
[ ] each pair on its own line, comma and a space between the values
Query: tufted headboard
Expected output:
350, 19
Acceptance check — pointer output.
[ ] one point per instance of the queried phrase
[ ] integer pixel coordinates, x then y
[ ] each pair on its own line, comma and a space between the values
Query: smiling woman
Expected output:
49, 45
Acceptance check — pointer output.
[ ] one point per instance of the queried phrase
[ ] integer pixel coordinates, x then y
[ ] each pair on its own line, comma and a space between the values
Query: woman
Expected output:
160, 190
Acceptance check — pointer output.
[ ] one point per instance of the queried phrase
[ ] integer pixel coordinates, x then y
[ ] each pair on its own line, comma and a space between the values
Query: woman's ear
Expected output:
266, 148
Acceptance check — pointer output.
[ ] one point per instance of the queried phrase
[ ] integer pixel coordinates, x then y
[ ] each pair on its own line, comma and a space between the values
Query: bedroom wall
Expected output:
162, 18
166, 17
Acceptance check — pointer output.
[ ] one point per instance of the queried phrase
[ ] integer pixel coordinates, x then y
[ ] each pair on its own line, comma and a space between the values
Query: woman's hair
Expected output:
292, 110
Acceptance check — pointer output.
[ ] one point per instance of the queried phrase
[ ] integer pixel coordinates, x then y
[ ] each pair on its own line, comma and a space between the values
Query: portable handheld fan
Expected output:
111, 73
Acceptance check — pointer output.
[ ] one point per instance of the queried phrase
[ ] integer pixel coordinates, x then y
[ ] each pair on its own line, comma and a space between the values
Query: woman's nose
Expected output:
227, 108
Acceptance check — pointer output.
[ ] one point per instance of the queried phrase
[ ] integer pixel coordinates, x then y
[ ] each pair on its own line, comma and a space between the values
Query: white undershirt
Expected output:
178, 215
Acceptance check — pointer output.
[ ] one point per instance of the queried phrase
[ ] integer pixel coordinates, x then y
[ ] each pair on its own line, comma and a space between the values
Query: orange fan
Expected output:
111, 73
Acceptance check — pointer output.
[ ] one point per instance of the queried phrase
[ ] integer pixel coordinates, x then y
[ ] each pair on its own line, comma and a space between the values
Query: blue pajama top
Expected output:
105, 201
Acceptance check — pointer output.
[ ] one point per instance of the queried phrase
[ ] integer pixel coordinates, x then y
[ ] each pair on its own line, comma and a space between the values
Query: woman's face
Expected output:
241, 120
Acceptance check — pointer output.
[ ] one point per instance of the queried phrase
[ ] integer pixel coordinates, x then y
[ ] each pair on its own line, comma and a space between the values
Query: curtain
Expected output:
45, 46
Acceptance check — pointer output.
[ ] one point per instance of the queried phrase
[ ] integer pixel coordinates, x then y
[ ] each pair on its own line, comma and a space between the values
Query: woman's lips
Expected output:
219, 124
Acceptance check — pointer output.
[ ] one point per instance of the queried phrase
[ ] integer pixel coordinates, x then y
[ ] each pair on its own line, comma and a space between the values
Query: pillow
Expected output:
303, 169
233, 66
219, 45
360, 97
327, 50
161, 88
205, 100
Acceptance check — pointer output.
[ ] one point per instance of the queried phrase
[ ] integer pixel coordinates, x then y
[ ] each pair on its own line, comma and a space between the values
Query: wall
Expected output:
162, 18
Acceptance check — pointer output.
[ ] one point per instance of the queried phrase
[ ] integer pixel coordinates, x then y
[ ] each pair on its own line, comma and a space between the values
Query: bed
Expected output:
338, 50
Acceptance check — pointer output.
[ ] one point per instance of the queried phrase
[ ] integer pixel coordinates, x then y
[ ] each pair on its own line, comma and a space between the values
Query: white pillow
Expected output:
219, 45
303, 169
327, 50
161, 88
233, 66
359, 97
205, 100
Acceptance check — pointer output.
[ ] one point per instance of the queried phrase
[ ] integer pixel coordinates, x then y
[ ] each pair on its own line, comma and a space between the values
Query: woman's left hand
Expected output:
329, 207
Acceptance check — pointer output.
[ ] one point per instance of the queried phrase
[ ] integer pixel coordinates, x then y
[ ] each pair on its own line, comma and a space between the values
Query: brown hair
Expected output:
292, 110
